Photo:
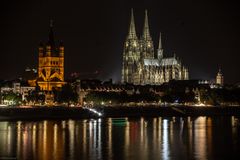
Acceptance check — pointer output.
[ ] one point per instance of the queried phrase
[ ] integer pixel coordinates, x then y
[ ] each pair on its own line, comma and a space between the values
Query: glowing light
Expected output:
200, 104
120, 121
94, 111
25, 107
134, 43
165, 146
200, 137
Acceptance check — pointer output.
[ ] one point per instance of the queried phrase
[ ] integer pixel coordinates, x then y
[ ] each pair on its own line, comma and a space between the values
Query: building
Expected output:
219, 78
17, 87
141, 66
30, 75
50, 64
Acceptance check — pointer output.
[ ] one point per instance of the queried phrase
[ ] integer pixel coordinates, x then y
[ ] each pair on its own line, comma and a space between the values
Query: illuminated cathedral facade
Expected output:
140, 66
50, 64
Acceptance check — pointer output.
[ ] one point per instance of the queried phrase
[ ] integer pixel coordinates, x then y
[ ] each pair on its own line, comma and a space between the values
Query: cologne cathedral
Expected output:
140, 65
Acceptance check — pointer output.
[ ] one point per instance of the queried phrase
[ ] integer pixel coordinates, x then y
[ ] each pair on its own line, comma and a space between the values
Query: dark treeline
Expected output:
170, 93
120, 97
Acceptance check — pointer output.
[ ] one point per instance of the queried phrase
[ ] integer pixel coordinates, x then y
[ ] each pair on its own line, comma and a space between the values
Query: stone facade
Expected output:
141, 66
50, 64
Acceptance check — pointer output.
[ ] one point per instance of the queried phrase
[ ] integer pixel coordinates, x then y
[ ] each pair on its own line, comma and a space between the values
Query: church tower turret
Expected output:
61, 49
40, 50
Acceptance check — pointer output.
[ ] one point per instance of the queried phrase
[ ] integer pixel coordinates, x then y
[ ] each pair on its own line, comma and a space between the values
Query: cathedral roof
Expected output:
169, 61
151, 62
164, 62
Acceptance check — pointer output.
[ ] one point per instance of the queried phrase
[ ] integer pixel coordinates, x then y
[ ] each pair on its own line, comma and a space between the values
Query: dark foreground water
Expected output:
141, 139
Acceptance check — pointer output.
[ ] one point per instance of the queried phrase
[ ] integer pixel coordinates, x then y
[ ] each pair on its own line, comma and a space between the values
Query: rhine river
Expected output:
140, 138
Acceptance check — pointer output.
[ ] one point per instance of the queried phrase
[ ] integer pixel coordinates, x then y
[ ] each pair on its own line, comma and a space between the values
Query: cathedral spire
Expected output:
160, 48
160, 41
219, 70
51, 35
146, 33
132, 30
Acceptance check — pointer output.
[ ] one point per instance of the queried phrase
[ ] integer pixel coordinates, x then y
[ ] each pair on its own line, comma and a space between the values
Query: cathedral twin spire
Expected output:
146, 31
132, 30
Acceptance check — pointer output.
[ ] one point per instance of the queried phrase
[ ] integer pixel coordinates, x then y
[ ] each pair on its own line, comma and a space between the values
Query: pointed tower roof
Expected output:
61, 43
219, 71
51, 35
132, 30
160, 41
146, 33
174, 55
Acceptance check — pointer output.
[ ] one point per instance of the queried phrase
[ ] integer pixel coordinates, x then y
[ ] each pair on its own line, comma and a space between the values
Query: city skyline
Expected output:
203, 38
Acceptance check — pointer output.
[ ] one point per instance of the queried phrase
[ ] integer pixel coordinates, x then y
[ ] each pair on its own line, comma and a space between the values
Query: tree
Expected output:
12, 98
36, 97
66, 95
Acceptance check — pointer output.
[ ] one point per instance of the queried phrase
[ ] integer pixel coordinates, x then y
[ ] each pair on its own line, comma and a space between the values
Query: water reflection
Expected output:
200, 138
144, 138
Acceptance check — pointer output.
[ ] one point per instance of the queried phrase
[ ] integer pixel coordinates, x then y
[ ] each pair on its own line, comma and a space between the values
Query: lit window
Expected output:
134, 44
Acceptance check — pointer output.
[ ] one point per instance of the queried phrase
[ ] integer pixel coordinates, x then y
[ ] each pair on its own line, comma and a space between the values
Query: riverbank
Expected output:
38, 113
155, 111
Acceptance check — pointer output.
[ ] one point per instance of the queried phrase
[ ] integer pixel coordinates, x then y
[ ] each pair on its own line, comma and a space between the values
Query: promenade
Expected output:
38, 113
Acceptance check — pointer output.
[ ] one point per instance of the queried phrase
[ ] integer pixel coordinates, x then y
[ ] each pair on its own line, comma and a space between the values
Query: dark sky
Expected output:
204, 34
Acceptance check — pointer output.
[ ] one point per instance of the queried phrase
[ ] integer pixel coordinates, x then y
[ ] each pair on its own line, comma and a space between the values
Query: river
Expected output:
123, 138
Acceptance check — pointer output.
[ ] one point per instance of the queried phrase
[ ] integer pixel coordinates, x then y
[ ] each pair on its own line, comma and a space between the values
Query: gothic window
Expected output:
134, 44
149, 44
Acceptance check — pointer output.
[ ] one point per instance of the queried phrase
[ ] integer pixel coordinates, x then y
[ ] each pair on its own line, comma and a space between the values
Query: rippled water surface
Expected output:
124, 138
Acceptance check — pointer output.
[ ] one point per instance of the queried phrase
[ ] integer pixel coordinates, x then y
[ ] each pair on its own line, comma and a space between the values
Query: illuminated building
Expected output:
219, 77
141, 66
18, 88
50, 64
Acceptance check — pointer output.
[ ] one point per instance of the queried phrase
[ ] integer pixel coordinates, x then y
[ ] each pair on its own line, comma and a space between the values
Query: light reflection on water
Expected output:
144, 138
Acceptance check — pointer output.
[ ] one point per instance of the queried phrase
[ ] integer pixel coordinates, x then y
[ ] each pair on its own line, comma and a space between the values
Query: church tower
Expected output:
50, 64
147, 47
131, 55
219, 78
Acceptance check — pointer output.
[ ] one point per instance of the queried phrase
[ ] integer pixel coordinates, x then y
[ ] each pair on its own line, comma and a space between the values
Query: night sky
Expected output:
203, 34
